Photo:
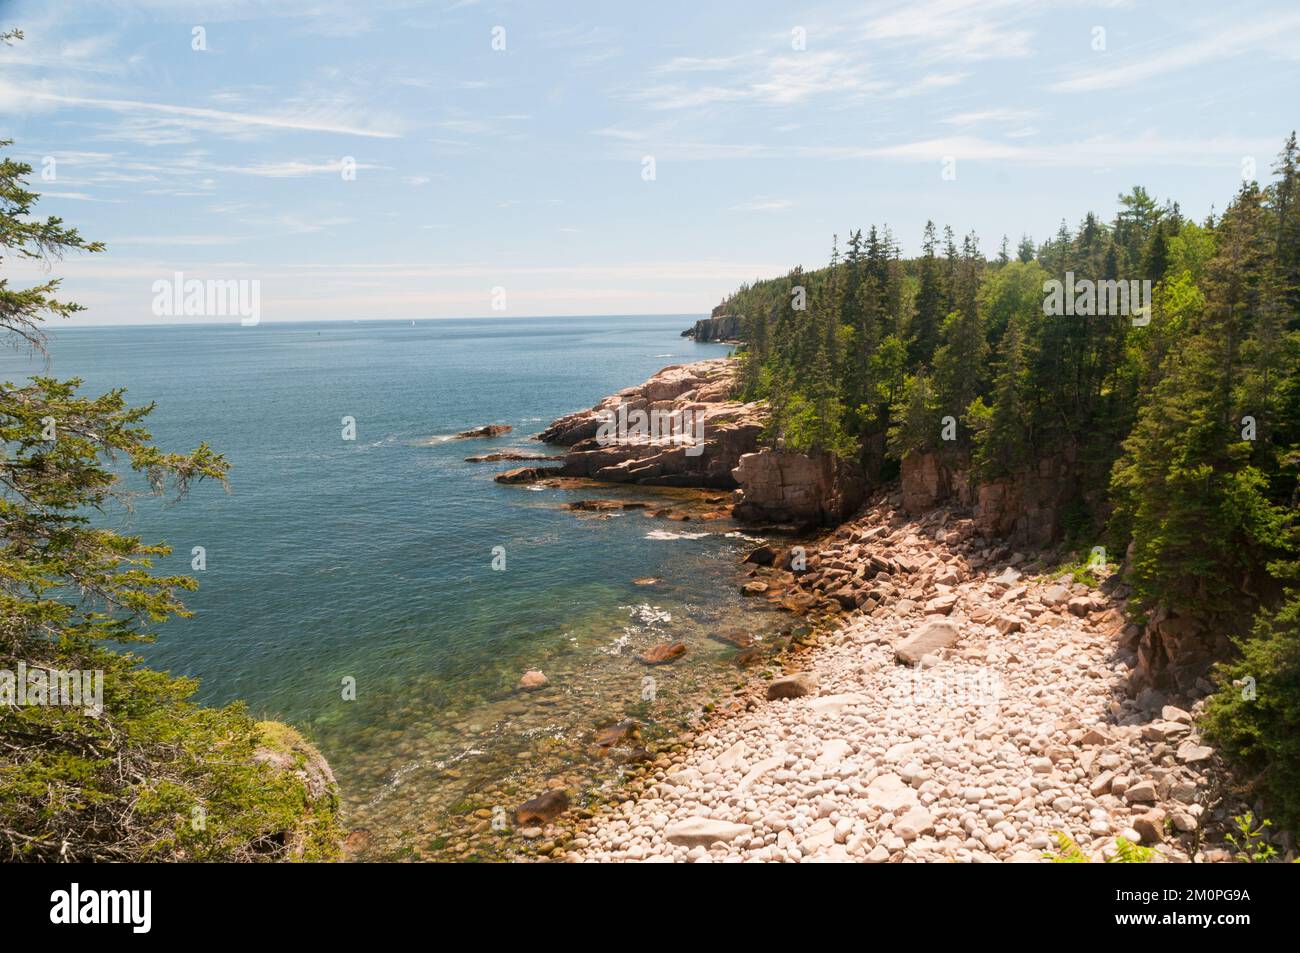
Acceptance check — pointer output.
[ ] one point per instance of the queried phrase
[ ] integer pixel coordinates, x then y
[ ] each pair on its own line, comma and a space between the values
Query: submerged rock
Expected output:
544, 808
526, 474
663, 653
613, 735
532, 680
737, 637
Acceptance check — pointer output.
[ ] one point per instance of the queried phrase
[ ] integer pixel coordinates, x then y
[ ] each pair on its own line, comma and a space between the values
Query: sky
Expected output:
390, 160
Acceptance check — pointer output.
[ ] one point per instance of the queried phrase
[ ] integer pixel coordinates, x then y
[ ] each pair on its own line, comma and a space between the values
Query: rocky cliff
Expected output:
679, 428
719, 328
782, 487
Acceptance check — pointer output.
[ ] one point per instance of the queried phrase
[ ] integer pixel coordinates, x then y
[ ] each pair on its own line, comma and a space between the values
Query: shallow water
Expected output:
372, 559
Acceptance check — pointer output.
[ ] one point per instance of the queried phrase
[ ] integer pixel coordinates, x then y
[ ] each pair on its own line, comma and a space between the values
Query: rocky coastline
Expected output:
961, 695
698, 435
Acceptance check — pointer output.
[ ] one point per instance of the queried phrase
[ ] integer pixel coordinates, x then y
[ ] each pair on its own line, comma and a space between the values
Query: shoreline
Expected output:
874, 760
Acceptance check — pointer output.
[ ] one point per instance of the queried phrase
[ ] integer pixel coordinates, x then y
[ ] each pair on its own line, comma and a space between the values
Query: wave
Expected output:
669, 534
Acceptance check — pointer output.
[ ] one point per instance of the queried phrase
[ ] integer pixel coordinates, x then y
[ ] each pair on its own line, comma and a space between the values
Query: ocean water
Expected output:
372, 559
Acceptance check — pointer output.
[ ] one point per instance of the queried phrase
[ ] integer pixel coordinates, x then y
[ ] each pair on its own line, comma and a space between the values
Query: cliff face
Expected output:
723, 327
1027, 508
679, 428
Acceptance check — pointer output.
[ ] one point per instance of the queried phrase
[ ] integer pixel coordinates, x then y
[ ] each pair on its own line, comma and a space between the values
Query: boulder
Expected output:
532, 680
1151, 826
703, 831
928, 639
1144, 792
792, 686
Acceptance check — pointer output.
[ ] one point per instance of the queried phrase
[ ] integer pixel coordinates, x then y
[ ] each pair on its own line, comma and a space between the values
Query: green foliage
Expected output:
151, 776
1069, 852
1255, 715
1250, 839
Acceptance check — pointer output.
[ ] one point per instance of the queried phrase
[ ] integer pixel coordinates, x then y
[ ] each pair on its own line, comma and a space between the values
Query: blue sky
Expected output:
522, 168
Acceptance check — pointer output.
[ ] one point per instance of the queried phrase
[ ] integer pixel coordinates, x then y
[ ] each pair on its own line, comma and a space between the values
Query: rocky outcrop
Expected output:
723, 328
782, 487
679, 428
487, 430
285, 751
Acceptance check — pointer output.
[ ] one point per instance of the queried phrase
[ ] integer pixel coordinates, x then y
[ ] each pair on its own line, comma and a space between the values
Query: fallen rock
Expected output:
1189, 752
1144, 792
1151, 826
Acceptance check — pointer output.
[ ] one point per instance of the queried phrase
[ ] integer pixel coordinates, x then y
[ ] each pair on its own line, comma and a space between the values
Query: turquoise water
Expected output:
372, 559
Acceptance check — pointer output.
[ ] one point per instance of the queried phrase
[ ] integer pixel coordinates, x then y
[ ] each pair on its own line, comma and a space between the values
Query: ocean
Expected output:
369, 562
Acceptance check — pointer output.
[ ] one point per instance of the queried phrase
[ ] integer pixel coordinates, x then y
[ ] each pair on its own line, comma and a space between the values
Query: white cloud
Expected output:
1217, 44
192, 117
763, 205
989, 116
